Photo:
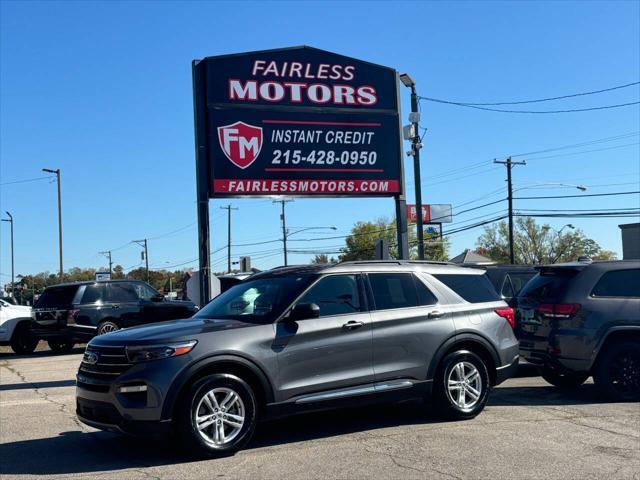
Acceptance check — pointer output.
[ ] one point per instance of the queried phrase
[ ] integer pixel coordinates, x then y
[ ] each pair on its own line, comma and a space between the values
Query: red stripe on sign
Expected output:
306, 187
375, 170
337, 124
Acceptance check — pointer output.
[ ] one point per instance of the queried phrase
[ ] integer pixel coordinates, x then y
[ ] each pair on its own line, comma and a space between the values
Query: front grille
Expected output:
111, 363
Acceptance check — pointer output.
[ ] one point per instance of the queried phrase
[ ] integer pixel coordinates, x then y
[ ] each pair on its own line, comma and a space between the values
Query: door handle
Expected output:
435, 314
352, 325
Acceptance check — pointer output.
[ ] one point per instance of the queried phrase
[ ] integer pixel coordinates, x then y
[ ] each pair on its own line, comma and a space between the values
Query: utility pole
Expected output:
143, 243
228, 208
13, 285
283, 219
108, 255
57, 173
509, 164
416, 145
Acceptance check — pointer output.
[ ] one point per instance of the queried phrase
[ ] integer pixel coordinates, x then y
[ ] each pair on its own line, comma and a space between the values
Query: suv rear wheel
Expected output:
218, 415
462, 385
22, 341
563, 379
617, 375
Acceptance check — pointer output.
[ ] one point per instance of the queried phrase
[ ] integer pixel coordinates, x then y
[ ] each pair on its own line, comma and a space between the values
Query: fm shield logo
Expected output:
90, 358
241, 143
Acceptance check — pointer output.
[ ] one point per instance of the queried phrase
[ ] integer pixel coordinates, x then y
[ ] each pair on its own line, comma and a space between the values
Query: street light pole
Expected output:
108, 255
228, 208
10, 220
57, 173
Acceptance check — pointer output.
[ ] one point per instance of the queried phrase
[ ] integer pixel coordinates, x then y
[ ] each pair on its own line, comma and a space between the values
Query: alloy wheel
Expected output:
108, 328
219, 416
625, 373
464, 385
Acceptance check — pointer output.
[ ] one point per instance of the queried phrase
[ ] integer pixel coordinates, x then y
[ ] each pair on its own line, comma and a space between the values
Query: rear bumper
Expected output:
507, 371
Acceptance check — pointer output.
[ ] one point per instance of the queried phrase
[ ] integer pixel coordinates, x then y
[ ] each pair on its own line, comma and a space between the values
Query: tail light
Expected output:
508, 314
559, 310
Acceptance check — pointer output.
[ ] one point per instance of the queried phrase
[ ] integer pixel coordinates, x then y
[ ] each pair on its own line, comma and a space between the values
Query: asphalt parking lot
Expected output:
529, 430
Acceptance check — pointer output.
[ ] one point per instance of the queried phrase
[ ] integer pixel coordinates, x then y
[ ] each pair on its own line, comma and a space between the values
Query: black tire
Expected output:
107, 327
617, 374
22, 341
564, 380
61, 346
454, 408
192, 439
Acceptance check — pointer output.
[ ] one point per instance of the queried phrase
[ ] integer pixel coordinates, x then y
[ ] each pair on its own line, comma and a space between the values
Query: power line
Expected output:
584, 151
35, 179
572, 110
548, 99
579, 195
582, 144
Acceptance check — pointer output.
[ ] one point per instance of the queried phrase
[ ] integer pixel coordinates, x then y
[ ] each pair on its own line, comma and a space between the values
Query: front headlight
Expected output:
143, 353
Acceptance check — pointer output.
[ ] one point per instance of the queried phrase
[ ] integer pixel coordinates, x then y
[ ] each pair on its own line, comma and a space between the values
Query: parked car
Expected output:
508, 280
76, 312
14, 328
580, 319
298, 338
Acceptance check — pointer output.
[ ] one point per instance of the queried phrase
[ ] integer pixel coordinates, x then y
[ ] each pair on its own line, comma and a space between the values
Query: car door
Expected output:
408, 325
329, 352
123, 301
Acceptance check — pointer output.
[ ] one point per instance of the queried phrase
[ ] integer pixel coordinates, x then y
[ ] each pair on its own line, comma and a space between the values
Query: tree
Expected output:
322, 258
360, 244
538, 244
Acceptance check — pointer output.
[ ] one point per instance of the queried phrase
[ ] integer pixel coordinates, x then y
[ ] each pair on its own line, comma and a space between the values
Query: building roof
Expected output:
469, 256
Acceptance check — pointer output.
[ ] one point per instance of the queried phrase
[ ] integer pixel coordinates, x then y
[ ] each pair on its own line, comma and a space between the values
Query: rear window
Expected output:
472, 288
57, 297
618, 283
548, 284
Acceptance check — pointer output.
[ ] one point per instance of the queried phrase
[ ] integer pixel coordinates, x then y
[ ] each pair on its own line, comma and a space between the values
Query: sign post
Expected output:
296, 122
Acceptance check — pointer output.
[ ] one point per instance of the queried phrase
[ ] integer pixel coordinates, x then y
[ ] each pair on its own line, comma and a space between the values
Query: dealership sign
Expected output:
297, 121
436, 213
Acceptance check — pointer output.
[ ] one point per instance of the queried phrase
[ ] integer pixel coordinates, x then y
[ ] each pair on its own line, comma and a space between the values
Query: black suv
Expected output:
580, 319
68, 313
509, 279
303, 338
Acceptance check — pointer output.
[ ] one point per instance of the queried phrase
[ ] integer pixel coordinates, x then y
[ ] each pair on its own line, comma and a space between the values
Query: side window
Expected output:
335, 295
144, 291
507, 290
473, 288
95, 293
618, 283
425, 296
393, 290
122, 292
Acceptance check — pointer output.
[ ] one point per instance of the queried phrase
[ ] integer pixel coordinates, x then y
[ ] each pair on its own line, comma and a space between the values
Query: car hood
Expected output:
173, 330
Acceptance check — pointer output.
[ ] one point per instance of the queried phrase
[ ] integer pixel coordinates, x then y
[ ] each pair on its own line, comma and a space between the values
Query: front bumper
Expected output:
104, 416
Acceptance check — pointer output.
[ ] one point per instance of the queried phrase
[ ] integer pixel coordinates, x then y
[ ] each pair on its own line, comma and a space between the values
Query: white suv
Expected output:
15, 323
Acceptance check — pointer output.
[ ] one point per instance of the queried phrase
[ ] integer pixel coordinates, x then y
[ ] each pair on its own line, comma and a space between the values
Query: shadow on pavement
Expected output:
39, 385
9, 355
75, 452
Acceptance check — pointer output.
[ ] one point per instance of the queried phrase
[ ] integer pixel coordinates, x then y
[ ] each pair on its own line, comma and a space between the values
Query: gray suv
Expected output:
583, 318
303, 338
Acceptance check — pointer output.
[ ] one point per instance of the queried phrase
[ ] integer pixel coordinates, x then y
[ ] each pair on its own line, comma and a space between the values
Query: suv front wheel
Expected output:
565, 380
61, 346
218, 415
462, 385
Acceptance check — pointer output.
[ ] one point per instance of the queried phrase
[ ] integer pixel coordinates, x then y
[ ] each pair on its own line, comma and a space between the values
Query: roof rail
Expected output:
395, 262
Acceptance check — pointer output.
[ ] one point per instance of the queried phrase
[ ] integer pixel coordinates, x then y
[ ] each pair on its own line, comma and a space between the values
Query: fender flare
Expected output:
608, 333
192, 370
459, 338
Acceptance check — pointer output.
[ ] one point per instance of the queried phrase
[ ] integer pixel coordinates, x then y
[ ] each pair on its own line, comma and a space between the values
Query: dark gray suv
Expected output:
302, 338
583, 318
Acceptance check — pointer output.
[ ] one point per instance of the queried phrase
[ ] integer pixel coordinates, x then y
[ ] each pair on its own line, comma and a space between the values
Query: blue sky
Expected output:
102, 90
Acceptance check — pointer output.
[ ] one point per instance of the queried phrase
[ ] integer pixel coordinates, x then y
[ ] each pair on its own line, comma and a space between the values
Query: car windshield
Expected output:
261, 300
549, 284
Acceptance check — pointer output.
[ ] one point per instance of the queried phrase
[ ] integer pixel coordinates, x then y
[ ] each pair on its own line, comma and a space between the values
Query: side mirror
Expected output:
158, 297
304, 311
